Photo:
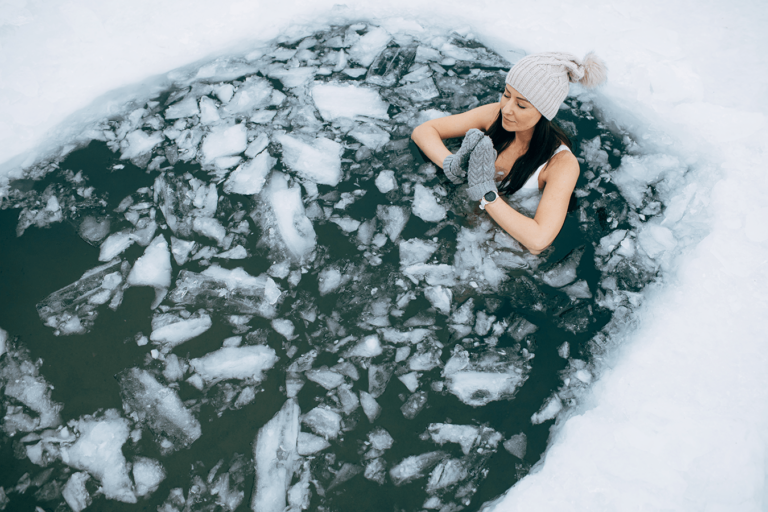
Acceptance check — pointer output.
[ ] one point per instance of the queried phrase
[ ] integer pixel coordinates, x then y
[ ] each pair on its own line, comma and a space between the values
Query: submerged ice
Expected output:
309, 270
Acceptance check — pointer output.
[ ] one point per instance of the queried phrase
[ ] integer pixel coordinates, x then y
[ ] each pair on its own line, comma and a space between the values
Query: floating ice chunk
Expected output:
293, 225
368, 347
347, 224
258, 145
564, 350
323, 422
249, 178
380, 439
98, 450
93, 230
234, 291
425, 54
153, 268
425, 205
210, 228
440, 298
209, 114
184, 108
284, 327
416, 251
464, 435
75, 493
447, 473
73, 309
369, 46
578, 290
147, 475
3, 340
370, 135
402, 353
236, 253
319, 161
553, 406
517, 445
325, 377
329, 280
158, 407
415, 467
521, 328
413, 336
371, 407
394, 219
434, 274
423, 90
21, 381
138, 143
414, 404
483, 323
276, 459
171, 330
565, 271
410, 380
115, 244
386, 181
375, 470
254, 94
299, 494
491, 376
378, 378
243, 363
293, 77
224, 141
309, 444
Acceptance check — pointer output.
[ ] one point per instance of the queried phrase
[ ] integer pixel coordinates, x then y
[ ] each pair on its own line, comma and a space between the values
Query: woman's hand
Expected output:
482, 170
455, 166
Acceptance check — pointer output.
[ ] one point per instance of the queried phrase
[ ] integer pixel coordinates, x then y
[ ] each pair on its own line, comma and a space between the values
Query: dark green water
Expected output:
81, 368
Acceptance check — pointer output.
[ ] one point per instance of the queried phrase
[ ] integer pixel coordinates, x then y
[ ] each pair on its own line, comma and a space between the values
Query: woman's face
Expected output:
517, 114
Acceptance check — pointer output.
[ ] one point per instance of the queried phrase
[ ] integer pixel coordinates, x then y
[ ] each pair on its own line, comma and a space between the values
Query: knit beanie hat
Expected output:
543, 78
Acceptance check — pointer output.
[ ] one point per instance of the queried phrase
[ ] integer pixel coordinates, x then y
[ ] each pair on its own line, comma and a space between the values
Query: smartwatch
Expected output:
488, 198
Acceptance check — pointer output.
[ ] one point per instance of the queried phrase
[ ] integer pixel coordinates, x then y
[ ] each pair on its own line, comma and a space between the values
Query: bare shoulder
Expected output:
562, 167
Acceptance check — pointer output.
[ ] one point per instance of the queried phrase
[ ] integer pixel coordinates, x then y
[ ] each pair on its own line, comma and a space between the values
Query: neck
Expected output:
524, 138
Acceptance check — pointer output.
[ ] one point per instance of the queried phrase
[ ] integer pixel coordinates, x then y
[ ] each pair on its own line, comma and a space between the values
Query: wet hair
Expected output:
547, 137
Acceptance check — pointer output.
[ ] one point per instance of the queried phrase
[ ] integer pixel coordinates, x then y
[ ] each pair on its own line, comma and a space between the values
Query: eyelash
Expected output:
506, 95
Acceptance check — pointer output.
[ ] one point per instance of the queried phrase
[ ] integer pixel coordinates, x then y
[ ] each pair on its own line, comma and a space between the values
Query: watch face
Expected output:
490, 196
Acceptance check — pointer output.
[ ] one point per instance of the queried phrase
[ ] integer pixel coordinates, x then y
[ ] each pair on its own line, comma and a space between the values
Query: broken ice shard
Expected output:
414, 467
231, 291
318, 161
159, 408
276, 459
488, 376
244, 363
73, 309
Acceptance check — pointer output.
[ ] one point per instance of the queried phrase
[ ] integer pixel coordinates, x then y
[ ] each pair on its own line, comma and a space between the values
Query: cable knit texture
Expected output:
544, 78
455, 166
482, 170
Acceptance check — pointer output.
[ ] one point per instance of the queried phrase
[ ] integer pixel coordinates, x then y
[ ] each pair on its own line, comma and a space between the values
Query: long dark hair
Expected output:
547, 137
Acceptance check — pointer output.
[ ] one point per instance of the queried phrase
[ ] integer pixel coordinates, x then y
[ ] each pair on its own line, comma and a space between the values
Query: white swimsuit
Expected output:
533, 181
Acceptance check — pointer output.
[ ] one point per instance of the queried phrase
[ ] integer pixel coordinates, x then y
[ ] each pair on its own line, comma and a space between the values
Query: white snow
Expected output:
337, 100
244, 363
318, 160
684, 76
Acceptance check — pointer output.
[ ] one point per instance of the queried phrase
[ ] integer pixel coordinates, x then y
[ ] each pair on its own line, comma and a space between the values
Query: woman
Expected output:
521, 148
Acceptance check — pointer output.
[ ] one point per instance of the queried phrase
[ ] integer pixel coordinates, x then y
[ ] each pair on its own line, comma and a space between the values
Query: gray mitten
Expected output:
482, 170
455, 166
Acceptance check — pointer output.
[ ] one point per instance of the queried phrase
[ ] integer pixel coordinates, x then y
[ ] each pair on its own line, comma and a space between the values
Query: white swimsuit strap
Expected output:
533, 181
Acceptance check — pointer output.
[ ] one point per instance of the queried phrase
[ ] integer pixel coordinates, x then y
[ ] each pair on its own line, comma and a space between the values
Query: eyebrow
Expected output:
518, 97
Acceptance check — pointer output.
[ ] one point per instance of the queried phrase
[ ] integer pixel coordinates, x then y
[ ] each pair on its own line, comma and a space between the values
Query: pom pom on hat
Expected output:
595, 71
543, 78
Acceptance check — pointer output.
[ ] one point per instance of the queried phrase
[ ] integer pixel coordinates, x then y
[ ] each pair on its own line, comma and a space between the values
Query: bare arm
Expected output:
537, 234
429, 136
